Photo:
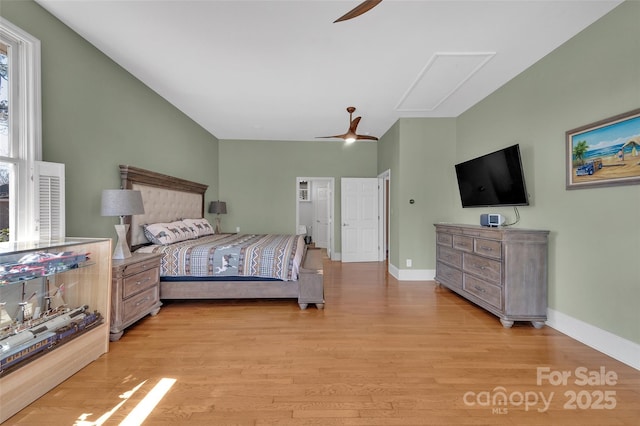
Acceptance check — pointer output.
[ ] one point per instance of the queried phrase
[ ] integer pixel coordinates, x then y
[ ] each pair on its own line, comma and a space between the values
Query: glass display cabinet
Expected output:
54, 314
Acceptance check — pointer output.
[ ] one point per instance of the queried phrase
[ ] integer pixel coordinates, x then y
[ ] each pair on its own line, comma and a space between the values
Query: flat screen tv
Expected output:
495, 179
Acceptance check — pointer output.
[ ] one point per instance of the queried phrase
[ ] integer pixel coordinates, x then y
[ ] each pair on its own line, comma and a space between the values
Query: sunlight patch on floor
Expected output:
139, 413
146, 406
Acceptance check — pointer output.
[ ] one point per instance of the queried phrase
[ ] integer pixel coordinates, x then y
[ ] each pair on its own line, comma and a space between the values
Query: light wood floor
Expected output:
382, 352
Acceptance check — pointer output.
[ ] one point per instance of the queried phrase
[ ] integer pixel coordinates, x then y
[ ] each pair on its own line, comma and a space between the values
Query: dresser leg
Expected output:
537, 324
506, 323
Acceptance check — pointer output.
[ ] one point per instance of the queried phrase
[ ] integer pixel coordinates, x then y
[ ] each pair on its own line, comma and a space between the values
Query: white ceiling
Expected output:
282, 70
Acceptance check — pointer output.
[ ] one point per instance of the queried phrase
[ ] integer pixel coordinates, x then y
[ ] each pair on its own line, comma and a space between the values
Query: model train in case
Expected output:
26, 344
38, 264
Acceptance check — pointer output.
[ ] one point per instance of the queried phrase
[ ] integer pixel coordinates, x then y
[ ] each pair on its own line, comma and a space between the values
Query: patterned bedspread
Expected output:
264, 256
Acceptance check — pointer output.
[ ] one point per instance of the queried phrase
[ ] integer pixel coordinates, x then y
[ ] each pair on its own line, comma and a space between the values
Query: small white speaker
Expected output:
491, 219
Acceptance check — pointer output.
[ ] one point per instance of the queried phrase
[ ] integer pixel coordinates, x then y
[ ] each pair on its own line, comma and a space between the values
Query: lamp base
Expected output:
217, 230
121, 250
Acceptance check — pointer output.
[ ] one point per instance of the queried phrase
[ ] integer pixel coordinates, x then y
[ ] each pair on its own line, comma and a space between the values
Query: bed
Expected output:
168, 199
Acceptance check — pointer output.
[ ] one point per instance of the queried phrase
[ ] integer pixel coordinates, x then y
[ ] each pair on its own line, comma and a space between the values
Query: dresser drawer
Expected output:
444, 239
489, 248
450, 256
139, 282
490, 293
488, 269
142, 302
461, 242
448, 276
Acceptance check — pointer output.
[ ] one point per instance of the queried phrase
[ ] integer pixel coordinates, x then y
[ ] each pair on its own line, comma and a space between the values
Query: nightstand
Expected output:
135, 290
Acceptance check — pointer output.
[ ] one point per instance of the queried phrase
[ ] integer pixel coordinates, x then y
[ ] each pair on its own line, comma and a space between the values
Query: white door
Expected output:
321, 207
359, 219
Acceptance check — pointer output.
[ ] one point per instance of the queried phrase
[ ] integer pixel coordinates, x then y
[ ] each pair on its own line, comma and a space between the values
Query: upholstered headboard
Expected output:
165, 198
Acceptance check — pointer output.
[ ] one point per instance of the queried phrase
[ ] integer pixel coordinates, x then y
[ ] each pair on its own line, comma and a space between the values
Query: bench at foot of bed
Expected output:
311, 280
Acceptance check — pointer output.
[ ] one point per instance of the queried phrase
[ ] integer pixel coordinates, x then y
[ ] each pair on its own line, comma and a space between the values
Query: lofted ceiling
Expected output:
282, 70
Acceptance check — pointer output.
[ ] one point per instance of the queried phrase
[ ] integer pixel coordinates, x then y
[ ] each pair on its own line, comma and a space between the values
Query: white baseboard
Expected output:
616, 347
412, 274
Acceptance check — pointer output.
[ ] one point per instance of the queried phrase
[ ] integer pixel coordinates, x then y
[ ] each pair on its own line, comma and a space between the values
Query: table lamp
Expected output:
218, 207
121, 202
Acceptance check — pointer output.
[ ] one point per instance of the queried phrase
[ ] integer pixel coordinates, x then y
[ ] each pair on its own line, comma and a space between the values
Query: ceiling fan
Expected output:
363, 7
351, 135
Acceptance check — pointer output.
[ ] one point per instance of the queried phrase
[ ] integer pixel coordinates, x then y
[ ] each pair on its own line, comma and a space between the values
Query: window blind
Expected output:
50, 199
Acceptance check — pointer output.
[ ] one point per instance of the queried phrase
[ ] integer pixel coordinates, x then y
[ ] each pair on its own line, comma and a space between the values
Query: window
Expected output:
5, 169
20, 132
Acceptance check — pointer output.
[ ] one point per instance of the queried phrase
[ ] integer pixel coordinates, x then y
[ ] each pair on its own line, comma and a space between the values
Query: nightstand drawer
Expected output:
142, 302
140, 281
138, 267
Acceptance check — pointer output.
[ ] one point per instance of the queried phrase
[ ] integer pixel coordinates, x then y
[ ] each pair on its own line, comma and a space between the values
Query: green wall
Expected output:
418, 152
95, 116
258, 179
594, 270
427, 145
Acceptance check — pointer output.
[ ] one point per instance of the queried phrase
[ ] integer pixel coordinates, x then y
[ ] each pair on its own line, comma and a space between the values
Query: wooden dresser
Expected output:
135, 291
503, 270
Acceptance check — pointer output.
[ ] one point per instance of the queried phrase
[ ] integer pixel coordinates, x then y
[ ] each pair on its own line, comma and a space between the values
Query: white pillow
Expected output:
200, 226
168, 233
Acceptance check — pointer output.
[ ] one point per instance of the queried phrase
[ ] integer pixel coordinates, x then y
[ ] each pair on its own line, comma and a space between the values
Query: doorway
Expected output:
314, 211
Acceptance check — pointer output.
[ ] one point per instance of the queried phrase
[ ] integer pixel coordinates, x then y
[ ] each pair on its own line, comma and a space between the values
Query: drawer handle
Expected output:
145, 300
486, 248
480, 289
143, 281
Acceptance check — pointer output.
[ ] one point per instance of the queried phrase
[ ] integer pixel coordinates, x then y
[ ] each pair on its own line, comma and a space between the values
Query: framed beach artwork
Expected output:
605, 153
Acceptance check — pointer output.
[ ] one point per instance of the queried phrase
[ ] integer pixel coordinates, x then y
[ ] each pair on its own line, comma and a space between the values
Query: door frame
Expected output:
332, 204
384, 203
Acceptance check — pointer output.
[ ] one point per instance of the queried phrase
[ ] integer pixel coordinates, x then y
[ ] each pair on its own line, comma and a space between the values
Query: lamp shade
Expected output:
121, 202
218, 207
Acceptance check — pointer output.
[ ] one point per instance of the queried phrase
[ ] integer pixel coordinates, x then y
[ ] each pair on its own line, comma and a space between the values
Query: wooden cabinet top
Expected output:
499, 232
120, 264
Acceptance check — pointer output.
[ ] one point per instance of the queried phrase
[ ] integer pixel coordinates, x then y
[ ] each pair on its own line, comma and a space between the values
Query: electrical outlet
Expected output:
409, 263
237, 229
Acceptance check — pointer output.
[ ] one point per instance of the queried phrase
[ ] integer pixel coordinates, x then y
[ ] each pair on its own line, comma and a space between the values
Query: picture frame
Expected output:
604, 153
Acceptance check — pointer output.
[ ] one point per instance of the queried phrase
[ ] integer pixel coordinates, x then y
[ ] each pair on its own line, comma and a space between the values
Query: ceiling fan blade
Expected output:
367, 137
333, 137
363, 7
